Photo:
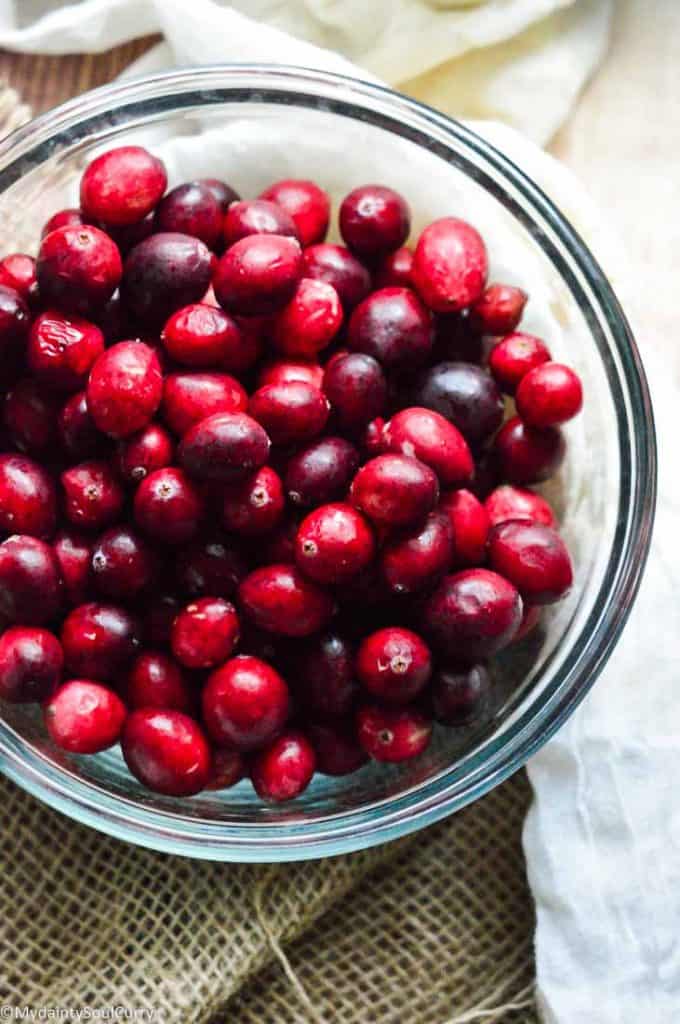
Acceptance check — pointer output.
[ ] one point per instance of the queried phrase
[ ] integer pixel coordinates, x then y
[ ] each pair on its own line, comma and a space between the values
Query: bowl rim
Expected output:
440, 795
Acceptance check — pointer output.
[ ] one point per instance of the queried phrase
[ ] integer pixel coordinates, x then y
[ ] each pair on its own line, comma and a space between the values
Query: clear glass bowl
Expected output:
260, 123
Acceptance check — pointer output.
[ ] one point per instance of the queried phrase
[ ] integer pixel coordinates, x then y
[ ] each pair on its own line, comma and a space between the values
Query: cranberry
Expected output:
127, 236
163, 273
449, 265
200, 335
15, 320
115, 321
255, 505
224, 194
309, 321
31, 660
122, 185
395, 270
427, 436
472, 614
338, 267
279, 599
168, 507
508, 502
245, 703
393, 326
256, 217
512, 358
30, 582
499, 309
78, 434
167, 751
210, 566
334, 543
84, 717
191, 209
189, 398
356, 388
70, 217
464, 394
224, 447
62, 350
372, 440
122, 564
155, 681
125, 388
93, 496
228, 768
534, 558
323, 674
284, 770
374, 220
336, 747
143, 453
307, 204
393, 734
30, 416
18, 271
279, 545
78, 269
245, 347
99, 640
460, 693
73, 552
321, 472
282, 371
394, 664
418, 558
27, 497
394, 490
548, 395
159, 616
469, 521
258, 275
531, 616
528, 456
205, 633
290, 413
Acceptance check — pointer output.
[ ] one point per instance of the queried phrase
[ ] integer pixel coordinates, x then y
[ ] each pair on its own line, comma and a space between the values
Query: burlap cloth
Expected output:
433, 929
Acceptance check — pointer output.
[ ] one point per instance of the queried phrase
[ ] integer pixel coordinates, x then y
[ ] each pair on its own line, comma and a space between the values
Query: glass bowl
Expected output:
251, 125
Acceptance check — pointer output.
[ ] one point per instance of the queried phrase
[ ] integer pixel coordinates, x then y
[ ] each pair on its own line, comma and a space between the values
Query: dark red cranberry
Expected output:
167, 751
337, 266
200, 335
168, 507
191, 209
355, 386
512, 358
531, 616
394, 327
374, 220
460, 693
393, 734
122, 185
465, 395
228, 768
144, 453
322, 672
309, 321
15, 320
205, 633
189, 398
224, 447
525, 455
74, 555
18, 271
223, 193
290, 413
27, 497
456, 339
245, 703
372, 440
30, 582
93, 496
534, 558
417, 558
336, 746
78, 434
279, 545
163, 273
499, 309
508, 502
29, 414
472, 614
99, 640
284, 770
127, 236
122, 564
78, 269
394, 664
334, 543
245, 348
70, 217
469, 521
125, 388
395, 490
115, 320
210, 566
258, 275
255, 505
449, 265
62, 350
155, 681
31, 660
282, 371
307, 204
256, 217
394, 271
279, 599
159, 615
84, 717
429, 437
322, 472
548, 395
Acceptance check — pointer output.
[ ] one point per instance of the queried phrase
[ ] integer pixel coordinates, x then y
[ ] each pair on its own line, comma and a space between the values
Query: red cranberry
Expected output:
393, 326
465, 395
205, 633
534, 558
70, 217
548, 395
508, 502
337, 266
499, 309
78, 434
323, 674
189, 398
167, 751
122, 185
284, 770
531, 616
307, 204
427, 436
258, 275
393, 734
78, 269
374, 220
30, 583
395, 490
168, 507
143, 453
245, 347
512, 358
155, 681
15, 320
279, 599
27, 497
469, 521
282, 371
31, 660
472, 614
212, 566
336, 747
224, 447
394, 664
160, 613
322, 472
73, 552
62, 350
460, 693
256, 217
355, 386
224, 194
290, 413
334, 543
93, 496
395, 270
122, 564
228, 768
528, 456
200, 335
191, 209
255, 505
125, 388
372, 440
84, 717
18, 271
245, 703
30, 416
449, 265
310, 320
163, 273
418, 558
99, 640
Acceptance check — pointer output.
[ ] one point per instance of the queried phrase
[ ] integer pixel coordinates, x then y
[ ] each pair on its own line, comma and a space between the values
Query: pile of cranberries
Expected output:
262, 512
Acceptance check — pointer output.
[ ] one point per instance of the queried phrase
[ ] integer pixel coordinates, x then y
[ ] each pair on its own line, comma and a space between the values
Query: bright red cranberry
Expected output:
323, 675
534, 558
163, 273
73, 552
93, 497
228, 768
144, 453
394, 664
210, 566
334, 543
449, 265
78, 269
30, 582
254, 506
307, 204
224, 447
27, 497
393, 734
167, 751
548, 395
205, 633
155, 681
224, 194
245, 703
394, 327
290, 413
394, 271
200, 335
15, 320
499, 309
427, 436
508, 502
512, 358
337, 266
62, 350
189, 398
18, 271
465, 395
78, 434
336, 746
322, 472
417, 558
122, 185
531, 616
256, 217
284, 770
309, 321
282, 371
469, 521
279, 599
99, 640
258, 275
84, 717
31, 660
525, 455
125, 388
374, 220
460, 693
122, 564
191, 209
395, 490
159, 615
472, 614
355, 386
70, 217
30, 416
168, 507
